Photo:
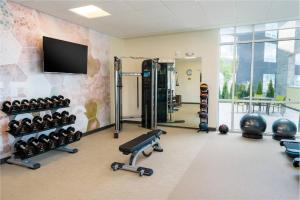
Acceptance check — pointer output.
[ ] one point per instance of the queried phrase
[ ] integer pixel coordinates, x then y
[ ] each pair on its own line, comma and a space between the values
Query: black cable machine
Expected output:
149, 92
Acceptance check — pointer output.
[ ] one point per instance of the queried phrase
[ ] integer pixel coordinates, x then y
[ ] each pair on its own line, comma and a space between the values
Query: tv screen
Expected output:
65, 57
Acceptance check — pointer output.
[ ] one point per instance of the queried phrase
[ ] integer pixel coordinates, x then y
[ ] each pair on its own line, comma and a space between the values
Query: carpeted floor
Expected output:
192, 167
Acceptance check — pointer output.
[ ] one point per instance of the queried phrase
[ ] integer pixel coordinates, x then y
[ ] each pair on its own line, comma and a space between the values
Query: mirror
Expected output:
179, 92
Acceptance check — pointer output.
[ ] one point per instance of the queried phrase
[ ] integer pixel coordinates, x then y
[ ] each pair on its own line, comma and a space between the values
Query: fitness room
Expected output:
109, 99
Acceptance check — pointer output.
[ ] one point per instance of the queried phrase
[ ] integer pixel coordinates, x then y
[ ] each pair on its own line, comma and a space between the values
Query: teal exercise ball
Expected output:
253, 125
284, 129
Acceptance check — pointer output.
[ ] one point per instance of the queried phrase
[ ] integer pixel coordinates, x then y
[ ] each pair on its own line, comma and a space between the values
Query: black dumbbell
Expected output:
34, 104
43, 103
70, 135
64, 117
62, 133
50, 102
14, 127
49, 122
66, 102
54, 137
48, 143
39, 147
17, 105
26, 125
58, 101
72, 119
7, 107
23, 150
57, 116
38, 123
75, 135
25, 105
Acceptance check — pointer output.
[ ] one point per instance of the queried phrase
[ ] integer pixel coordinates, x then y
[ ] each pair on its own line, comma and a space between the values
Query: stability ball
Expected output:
253, 126
284, 129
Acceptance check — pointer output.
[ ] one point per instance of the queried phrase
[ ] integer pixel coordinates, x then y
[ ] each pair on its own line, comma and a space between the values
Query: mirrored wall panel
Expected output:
178, 92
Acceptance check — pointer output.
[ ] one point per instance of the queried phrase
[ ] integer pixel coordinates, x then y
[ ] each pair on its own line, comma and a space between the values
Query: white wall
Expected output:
188, 85
203, 43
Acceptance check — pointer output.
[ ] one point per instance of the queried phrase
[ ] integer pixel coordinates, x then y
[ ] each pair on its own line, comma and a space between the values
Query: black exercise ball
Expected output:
223, 129
253, 125
284, 129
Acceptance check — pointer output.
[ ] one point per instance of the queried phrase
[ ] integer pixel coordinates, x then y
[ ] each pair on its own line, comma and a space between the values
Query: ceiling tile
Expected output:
220, 12
249, 12
281, 10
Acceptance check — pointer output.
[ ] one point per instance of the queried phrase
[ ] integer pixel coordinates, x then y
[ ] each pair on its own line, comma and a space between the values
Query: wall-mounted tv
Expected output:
64, 57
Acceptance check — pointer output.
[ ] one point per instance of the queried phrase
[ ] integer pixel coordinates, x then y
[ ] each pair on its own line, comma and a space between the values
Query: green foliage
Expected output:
225, 93
230, 91
226, 69
248, 90
259, 90
241, 91
270, 91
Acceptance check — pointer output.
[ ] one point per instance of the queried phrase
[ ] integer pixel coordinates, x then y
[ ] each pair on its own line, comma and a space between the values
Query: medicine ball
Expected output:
253, 126
203, 86
223, 129
284, 129
203, 126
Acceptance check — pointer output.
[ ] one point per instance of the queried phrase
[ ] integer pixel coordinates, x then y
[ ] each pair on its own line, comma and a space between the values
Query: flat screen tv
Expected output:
64, 57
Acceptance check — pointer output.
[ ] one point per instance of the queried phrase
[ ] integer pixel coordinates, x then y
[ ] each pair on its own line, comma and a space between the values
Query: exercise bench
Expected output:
136, 147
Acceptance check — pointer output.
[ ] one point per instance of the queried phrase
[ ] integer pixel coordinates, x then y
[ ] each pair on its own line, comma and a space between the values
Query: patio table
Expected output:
266, 102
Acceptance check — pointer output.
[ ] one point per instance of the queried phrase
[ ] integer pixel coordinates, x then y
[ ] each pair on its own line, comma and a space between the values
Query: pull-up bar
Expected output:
135, 57
131, 74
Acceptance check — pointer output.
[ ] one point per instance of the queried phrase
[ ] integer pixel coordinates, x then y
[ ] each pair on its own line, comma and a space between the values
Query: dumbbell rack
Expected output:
203, 108
28, 162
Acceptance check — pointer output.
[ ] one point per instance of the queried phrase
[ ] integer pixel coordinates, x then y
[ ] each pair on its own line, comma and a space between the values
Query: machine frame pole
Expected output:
117, 64
155, 95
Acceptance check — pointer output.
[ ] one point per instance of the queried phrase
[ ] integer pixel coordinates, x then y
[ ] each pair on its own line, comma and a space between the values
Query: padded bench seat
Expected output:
139, 142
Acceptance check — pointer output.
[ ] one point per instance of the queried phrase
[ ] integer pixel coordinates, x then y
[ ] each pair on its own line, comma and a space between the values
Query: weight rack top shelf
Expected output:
33, 111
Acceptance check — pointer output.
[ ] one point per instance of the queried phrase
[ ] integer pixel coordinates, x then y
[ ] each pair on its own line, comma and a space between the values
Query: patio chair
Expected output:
243, 105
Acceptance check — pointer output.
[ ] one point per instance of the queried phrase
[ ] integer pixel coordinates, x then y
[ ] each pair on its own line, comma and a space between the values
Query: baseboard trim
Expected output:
190, 103
194, 128
98, 129
131, 121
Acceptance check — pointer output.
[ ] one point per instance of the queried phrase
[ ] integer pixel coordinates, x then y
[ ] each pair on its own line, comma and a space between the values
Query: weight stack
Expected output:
148, 67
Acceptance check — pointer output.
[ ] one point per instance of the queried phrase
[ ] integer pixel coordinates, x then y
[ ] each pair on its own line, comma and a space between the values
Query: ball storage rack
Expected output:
28, 162
203, 113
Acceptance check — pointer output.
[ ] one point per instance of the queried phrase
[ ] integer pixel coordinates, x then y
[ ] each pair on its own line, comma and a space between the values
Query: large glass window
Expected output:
260, 72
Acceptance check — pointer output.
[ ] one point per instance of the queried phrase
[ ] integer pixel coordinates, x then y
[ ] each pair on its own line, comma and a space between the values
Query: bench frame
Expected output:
131, 166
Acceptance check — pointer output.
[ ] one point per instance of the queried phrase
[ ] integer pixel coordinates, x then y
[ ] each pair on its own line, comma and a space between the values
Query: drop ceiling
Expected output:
139, 18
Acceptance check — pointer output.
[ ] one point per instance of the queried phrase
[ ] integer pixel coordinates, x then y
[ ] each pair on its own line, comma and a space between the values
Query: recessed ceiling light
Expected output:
90, 11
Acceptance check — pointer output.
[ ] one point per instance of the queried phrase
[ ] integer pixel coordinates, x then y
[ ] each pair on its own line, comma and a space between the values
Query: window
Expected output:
260, 73
270, 52
267, 78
